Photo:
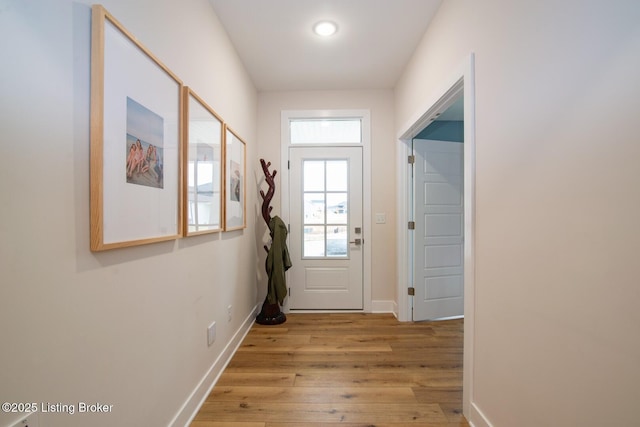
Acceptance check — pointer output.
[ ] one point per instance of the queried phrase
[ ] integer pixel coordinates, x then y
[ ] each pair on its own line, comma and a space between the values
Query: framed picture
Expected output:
203, 135
234, 182
135, 141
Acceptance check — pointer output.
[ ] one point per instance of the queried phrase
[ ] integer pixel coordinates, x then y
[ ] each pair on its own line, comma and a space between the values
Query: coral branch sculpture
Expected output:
270, 313
266, 198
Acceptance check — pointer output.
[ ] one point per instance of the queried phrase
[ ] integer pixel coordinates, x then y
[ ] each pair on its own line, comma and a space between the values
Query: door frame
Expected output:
365, 116
461, 80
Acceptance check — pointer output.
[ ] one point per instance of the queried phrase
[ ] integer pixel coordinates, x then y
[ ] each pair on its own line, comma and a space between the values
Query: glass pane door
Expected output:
326, 208
326, 239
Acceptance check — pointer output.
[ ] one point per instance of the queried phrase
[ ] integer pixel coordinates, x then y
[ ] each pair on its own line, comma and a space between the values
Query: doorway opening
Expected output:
437, 169
326, 195
460, 83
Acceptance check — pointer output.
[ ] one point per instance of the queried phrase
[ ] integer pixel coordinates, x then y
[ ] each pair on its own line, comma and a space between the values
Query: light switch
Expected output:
381, 218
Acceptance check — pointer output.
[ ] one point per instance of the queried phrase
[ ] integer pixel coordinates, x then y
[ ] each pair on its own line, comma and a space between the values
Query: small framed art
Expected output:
235, 181
202, 168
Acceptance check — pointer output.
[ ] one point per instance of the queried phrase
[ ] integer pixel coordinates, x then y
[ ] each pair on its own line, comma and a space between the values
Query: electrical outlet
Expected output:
211, 333
30, 420
229, 313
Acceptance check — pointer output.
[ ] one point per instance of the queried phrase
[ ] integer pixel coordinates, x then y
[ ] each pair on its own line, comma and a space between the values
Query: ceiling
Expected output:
374, 42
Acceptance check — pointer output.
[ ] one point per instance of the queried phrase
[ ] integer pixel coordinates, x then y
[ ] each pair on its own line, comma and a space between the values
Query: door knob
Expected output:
357, 242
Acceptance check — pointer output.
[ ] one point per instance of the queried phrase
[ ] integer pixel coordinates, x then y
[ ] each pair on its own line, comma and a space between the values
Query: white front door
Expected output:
326, 237
439, 230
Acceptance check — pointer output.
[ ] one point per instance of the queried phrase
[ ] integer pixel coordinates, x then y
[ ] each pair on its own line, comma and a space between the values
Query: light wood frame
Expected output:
134, 97
235, 181
203, 139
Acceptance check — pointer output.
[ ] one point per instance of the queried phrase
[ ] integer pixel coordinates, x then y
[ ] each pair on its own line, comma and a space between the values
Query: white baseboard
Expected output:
477, 418
383, 306
190, 408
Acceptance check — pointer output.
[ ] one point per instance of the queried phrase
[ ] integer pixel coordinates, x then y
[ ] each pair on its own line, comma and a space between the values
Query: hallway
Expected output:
347, 369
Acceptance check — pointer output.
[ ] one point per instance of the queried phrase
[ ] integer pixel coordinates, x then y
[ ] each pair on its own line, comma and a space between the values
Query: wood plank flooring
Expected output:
350, 370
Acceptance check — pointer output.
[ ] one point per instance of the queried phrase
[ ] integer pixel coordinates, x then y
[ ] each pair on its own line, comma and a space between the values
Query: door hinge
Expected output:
411, 291
288, 164
289, 291
412, 225
411, 159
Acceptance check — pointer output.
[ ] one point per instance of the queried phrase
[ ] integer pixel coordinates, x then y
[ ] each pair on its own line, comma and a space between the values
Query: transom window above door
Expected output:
326, 131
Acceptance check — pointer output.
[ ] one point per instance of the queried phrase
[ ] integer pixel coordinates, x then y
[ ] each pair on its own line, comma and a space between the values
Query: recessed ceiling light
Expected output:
325, 28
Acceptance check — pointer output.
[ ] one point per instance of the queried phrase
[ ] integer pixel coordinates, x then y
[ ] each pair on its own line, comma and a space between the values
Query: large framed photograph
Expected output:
202, 168
135, 141
235, 217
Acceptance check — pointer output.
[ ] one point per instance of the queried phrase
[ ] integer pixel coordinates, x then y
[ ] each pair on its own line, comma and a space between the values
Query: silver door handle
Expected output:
357, 242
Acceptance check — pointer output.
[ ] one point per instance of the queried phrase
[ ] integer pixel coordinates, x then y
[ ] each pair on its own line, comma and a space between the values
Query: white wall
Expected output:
125, 327
558, 199
380, 103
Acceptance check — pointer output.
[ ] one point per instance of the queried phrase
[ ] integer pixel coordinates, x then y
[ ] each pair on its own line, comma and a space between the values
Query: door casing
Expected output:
461, 80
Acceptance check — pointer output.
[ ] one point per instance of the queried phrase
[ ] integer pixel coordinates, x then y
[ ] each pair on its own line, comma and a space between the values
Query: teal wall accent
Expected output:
443, 131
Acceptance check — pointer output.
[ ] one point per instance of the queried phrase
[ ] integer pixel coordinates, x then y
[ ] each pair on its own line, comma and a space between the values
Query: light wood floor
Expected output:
348, 369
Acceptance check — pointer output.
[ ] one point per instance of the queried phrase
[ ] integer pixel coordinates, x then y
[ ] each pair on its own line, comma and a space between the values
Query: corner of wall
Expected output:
384, 306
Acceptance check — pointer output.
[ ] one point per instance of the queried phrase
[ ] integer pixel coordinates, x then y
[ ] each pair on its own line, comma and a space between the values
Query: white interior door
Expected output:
439, 230
326, 237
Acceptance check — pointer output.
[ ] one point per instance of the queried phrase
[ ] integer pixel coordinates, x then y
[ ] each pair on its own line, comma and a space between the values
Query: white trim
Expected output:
384, 306
192, 405
26, 419
365, 115
440, 319
463, 79
478, 417
403, 214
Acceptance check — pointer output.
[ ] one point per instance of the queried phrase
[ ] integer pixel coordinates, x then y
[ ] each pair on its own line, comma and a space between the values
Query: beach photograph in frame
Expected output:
202, 168
235, 181
144, 146
135, 159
